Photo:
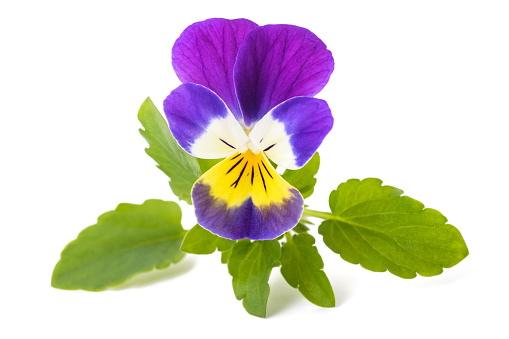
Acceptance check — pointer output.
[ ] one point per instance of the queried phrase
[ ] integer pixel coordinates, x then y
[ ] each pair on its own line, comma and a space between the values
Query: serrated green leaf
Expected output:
375, 226
303, 178
250, 265
302, 268
129, 240
182, 168
355, 191
201, 241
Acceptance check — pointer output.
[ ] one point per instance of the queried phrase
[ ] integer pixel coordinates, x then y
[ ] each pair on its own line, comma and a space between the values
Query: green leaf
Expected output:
225, 244
250, 265
303, 178
201, 241
225, 255
182, 168
375, 226
129, 240
355, 191
301, 266
302, 227
272, 163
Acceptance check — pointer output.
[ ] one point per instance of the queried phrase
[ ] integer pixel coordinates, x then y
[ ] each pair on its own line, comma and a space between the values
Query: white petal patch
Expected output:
221, 139
270, 136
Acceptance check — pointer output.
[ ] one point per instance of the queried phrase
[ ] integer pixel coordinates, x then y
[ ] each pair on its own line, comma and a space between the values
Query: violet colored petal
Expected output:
244, 197
292, 132
201, 123
276, 63
205, 54
248, 220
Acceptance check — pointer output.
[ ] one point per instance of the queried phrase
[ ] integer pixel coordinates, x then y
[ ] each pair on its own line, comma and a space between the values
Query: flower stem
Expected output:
321, 215
288, 237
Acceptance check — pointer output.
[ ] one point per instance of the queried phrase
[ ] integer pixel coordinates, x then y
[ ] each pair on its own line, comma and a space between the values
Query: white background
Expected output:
420, 100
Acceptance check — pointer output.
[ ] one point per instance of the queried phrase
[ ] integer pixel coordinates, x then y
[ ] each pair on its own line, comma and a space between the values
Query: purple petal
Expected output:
205, 54
292, 132
201, 123
244, 197
247, 220
278, 62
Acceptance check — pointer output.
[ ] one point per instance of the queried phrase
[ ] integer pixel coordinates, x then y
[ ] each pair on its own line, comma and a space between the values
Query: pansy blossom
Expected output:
247, 96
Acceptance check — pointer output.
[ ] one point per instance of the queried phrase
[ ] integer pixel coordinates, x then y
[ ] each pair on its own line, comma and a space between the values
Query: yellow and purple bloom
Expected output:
247, 96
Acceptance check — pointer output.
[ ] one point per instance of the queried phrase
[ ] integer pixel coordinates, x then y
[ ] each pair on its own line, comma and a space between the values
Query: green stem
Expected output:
321, 215
288, 237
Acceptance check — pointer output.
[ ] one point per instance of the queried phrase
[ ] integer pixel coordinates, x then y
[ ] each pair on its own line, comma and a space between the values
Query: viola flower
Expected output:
247, 96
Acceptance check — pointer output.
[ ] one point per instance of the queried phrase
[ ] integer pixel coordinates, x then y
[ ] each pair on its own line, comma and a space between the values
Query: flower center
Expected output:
249, 145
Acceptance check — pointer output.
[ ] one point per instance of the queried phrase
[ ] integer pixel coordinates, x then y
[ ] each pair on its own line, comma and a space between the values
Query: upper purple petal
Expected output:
278, 62
205, 54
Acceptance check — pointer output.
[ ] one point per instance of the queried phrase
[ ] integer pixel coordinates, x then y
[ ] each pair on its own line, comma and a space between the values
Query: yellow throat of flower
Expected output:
243, 175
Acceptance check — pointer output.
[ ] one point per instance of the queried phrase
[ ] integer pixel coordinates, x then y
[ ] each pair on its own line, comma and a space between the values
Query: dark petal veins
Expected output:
205, 54
278, 62
293, 130
201, 123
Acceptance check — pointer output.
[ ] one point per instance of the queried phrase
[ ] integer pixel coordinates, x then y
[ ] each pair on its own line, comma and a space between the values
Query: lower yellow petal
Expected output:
244, 197
245, 175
